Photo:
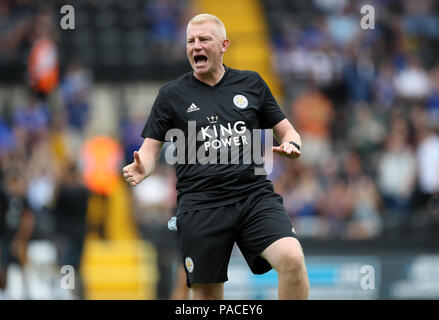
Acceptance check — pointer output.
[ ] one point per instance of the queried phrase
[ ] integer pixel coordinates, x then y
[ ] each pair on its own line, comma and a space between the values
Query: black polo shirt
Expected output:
218, 124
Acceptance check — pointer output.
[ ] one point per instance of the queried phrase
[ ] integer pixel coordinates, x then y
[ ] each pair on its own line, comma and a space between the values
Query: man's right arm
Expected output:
144, 161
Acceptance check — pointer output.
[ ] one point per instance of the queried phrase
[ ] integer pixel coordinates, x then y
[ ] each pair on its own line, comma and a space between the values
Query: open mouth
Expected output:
200, 59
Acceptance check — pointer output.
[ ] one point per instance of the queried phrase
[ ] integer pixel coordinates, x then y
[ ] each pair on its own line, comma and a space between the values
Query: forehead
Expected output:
202, 29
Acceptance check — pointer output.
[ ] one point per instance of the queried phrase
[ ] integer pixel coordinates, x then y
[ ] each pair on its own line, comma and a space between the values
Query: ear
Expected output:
226, 43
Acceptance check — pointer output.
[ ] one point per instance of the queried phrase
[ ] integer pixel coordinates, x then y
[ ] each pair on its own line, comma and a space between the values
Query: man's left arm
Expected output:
288, 138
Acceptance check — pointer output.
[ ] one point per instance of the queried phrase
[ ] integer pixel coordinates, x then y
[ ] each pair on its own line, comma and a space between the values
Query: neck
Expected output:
211, 78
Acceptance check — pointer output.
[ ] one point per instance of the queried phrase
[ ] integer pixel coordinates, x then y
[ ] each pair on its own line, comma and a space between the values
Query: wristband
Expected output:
295, 144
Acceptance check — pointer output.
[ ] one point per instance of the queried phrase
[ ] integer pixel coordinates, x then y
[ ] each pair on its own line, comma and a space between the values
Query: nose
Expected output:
197, 44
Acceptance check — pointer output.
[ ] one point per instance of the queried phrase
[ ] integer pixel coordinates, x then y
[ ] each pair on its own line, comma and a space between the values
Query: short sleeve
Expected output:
270, 113
159, 120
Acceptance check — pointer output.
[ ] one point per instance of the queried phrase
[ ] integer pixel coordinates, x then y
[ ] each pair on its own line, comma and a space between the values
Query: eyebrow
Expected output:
200, 36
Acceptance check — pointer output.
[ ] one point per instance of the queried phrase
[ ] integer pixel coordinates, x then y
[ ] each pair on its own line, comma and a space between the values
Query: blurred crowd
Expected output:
366, 105
50, 163
114, 33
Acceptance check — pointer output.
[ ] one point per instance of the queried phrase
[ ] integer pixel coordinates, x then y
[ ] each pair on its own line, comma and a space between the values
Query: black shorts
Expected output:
207, 236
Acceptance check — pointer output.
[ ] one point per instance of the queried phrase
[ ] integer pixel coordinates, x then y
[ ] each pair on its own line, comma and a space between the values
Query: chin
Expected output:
201, 71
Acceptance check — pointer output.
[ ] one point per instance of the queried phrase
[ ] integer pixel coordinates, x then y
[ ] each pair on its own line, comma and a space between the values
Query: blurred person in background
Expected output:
100, 159
154, 202
163, 25
160, 17
351, 204
7, 139
397, 173
432, 102
366, 218
15, 23
43, 64
383, 88
301, 200
336, 208
129, 131
358, 73
342, 23
365, 131
16, 226
42, 171
412, 82
427, 155
71, 122
71, 203
75, 89
419, 19
313, 113
31, 123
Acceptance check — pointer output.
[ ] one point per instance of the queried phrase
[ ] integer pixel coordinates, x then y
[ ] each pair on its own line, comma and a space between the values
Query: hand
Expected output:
287, 149
134, 173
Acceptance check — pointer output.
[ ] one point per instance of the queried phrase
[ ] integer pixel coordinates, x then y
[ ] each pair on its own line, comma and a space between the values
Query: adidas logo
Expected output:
192, 108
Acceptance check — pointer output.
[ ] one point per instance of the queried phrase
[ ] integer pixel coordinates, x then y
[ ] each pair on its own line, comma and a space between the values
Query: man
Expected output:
220, 204
72, 198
